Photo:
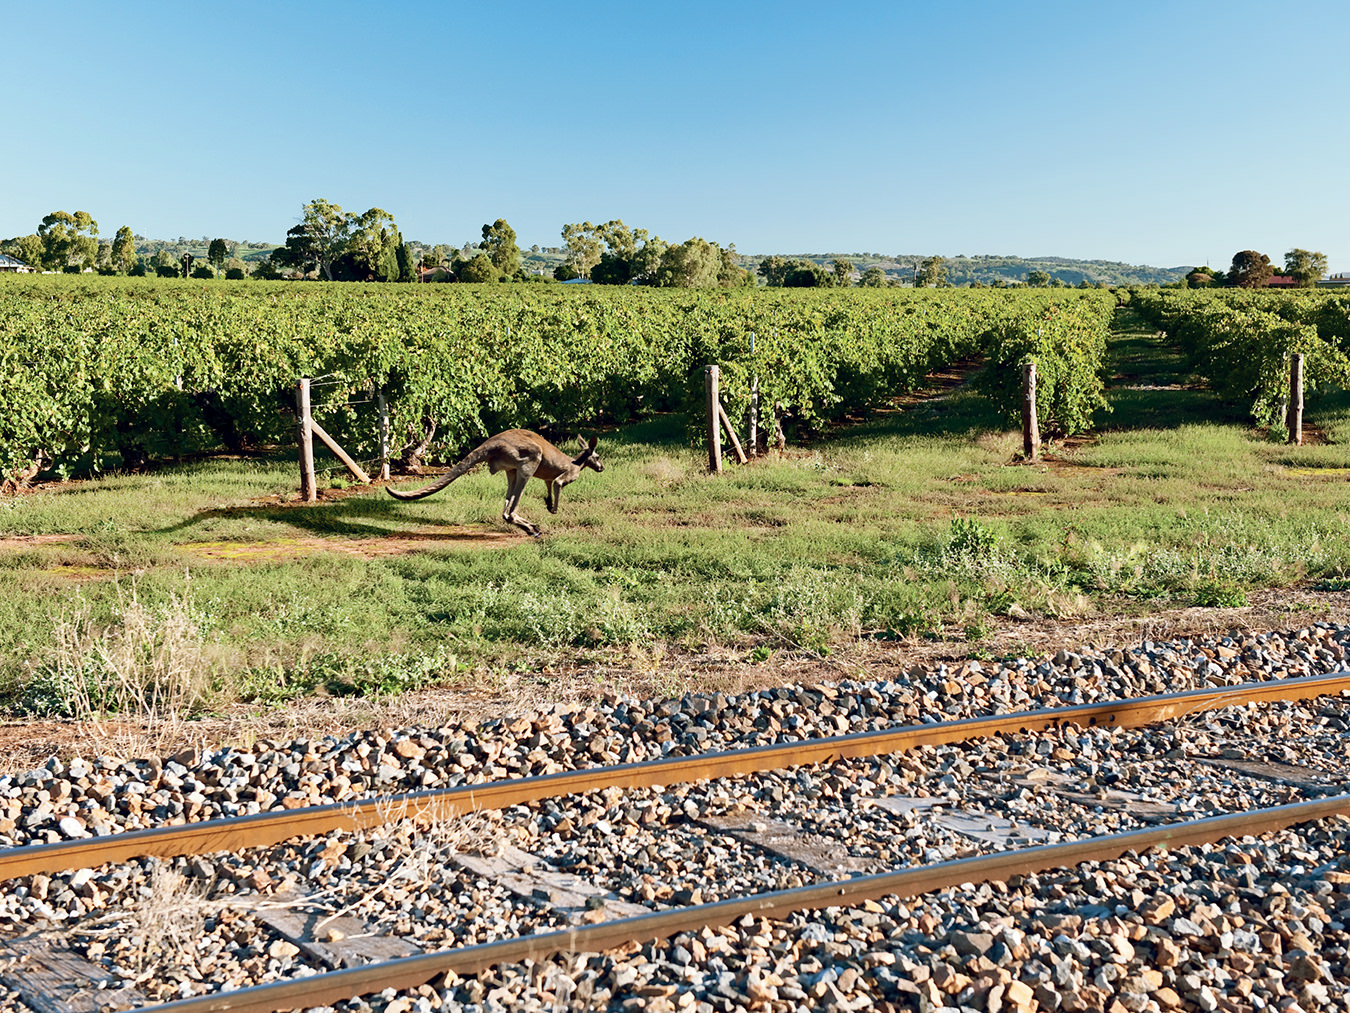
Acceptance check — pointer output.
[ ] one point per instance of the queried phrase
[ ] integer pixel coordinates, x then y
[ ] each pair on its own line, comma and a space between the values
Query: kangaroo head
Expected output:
588, 458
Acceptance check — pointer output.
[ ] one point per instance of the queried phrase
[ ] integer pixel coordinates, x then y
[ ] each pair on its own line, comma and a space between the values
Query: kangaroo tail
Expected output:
476, 456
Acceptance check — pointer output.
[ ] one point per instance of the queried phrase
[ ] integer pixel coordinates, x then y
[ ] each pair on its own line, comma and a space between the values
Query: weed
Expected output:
970, 539
978, 629
1220, 596
375, 676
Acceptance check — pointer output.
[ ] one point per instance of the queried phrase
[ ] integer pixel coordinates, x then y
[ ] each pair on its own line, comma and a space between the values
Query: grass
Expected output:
914, 522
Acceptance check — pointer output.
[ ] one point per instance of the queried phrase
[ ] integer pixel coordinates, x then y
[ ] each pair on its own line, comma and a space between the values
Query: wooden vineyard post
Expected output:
731, 434
1031, 430
308, 429
1294, 416
356, 470
710, 378
308, 483
754, 417
753, 421
383, 407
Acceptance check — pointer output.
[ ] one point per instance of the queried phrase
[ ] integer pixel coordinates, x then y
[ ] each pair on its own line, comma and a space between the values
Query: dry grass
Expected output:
132, 685
164, 922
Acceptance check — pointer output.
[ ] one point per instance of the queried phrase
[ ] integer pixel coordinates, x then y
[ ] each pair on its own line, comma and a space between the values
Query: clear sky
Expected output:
1163, 133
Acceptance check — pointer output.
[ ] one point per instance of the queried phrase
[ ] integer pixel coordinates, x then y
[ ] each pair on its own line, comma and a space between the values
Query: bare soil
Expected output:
370, 548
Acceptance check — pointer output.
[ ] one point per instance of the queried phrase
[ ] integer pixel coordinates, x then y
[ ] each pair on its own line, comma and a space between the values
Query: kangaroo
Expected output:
522, 455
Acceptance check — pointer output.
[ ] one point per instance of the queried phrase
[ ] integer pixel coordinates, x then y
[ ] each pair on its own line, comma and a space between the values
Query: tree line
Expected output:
1253, 269
69, 242
332, 244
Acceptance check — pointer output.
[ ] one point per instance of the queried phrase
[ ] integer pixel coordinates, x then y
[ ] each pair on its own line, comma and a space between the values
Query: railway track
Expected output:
270, 828
835, 754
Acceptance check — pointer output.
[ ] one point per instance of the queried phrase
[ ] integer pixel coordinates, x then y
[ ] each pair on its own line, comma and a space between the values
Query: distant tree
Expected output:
1201, 277
611, 254
407, 262
873, 277
583, 249
1250, 270
203, 271
370, 252
932, 273
695, 263
843, 272
805, 274
1305, 267
1038, 279
166, 264
28, 249
267, 269
499, 240
640, 250
68, 240
478, 269
123, 253
318, 241
235, 274
217, 253
773, 270
730, 274
565, 272
344, 245
612, 270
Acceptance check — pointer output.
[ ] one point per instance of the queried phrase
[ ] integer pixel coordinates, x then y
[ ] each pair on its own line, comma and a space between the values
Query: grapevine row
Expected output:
1241, 340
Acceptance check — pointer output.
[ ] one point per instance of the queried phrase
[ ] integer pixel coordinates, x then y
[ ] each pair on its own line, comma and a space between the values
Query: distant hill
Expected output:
245, 251
992, 269
985, 270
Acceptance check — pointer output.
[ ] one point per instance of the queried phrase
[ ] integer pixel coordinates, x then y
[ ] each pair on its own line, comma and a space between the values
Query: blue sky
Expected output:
1160, 133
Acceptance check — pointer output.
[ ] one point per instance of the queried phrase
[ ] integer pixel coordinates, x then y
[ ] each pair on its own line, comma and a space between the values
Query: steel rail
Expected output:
272, 827
409, 972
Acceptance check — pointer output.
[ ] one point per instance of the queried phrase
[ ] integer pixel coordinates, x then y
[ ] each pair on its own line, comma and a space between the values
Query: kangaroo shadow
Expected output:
351, 516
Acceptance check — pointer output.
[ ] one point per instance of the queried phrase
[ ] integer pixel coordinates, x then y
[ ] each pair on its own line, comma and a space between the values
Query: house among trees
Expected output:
8, 263
1341, 280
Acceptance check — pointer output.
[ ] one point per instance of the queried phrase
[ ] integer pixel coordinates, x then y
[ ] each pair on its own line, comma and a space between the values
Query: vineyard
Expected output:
1240, 340
125, 372
902, 523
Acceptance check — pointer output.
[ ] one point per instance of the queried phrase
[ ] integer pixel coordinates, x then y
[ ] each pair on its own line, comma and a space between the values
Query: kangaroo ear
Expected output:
593, 441
581, 443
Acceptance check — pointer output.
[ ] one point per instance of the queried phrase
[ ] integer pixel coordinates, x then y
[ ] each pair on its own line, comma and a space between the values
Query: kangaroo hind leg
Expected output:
516, 480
